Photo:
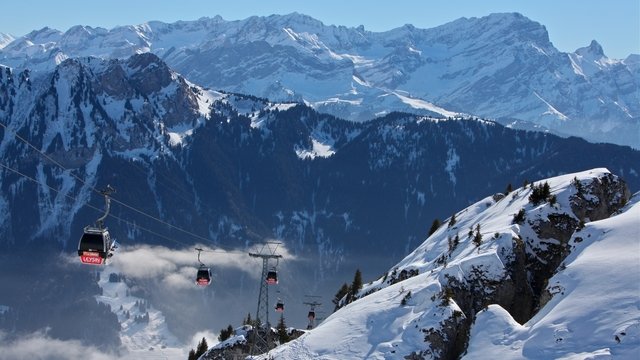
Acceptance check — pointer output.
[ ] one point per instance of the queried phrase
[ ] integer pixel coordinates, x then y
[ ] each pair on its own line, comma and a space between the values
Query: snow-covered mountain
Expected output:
252, 167
528, 274
237, 169
501, 66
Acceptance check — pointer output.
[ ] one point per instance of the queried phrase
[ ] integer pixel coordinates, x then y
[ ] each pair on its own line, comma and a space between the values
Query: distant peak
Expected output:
500, 26
594, 50
632, 59
44, 31
296, 17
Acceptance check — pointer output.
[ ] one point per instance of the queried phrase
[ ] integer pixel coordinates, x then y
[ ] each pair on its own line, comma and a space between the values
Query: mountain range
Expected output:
502, 66
235, 168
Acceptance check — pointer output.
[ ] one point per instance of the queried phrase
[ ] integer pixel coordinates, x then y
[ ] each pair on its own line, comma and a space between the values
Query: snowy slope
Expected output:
141, 340
5, 39
594, 310
448, 283
500, 66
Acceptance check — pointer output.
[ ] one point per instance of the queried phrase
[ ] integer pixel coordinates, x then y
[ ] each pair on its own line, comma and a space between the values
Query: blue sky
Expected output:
615, 24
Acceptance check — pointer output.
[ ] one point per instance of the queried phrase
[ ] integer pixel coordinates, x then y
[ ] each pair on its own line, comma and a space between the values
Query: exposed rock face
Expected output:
532, 262
450, 339
599, 199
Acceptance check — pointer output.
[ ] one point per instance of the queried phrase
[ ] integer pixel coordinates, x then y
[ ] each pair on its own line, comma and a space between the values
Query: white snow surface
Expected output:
318, 149
141, 340
596, 297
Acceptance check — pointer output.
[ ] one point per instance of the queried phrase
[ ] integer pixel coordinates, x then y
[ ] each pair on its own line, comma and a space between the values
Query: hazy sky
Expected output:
615, 24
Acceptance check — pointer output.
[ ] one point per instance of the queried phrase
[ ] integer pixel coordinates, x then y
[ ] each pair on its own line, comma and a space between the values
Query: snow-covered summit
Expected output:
526, 257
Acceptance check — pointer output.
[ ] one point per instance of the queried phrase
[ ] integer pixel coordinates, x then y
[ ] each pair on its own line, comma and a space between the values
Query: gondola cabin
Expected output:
312, 315
203, 277
95, 246
272, 277
280, 306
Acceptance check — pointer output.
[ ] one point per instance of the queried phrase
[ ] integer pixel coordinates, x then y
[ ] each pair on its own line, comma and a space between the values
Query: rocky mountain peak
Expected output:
46, 34
594, 50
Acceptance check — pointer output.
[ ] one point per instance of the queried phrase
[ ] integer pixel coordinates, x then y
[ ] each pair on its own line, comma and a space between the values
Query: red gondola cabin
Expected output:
272, 277
203, 277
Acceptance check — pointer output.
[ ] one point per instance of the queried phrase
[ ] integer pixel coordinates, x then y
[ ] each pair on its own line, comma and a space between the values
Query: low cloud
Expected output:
176, 268
41, 347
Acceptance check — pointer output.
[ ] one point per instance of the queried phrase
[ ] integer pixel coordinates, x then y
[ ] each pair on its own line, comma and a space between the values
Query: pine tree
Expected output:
192, 355
356, 285
477, 238
539, 193
202, 348
248, 320
434, 226
406, 298
579, 187
225, 333
519, 217
283, 336
452, 220
508, 189
344, 290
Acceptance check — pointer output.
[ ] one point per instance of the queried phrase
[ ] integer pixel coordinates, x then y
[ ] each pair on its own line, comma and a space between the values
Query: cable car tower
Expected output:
261, 336
312, 310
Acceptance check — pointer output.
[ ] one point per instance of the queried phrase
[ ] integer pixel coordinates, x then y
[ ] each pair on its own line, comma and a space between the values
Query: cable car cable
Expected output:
99, 192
